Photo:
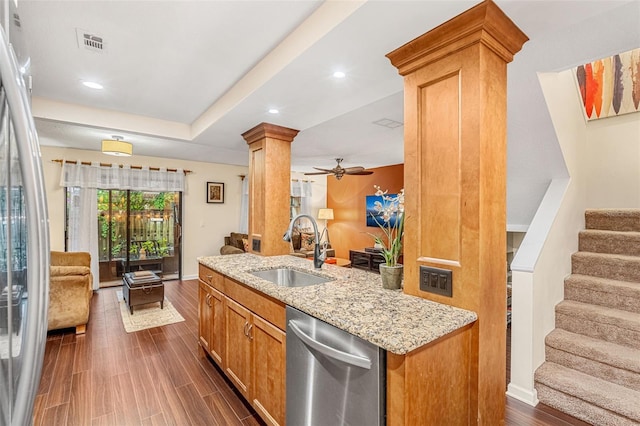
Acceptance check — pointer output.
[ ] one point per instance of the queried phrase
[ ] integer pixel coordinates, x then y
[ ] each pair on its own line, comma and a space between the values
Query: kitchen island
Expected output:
353, 301
242, 328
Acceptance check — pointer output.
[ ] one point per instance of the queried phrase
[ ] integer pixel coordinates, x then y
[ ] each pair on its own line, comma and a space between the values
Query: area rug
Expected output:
147, 316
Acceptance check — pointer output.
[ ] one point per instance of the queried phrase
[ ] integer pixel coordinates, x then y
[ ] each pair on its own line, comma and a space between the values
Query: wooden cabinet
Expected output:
211, 315
238, 362
211, 323
367, 260
256, 360
268, 371
242, 330
204, 315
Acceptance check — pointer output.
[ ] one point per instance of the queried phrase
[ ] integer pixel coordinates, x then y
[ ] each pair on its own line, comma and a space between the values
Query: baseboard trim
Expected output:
521, 394
189, 277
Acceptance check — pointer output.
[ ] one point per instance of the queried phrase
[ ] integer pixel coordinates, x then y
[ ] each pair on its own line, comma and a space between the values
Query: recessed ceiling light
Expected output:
339, 74
273, 111
92, 85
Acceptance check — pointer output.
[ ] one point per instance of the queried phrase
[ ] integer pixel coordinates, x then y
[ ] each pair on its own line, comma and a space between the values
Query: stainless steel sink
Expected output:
287, 277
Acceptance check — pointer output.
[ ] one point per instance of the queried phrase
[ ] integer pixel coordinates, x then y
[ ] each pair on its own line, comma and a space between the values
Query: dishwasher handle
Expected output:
330, 352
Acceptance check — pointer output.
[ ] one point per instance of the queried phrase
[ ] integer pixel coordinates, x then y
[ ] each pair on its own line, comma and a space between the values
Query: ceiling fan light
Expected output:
117, 147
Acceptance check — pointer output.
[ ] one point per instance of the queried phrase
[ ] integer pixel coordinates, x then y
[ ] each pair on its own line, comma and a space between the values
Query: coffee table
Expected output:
140, 288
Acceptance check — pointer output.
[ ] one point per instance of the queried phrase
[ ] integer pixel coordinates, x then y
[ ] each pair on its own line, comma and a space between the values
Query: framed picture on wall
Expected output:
215, 192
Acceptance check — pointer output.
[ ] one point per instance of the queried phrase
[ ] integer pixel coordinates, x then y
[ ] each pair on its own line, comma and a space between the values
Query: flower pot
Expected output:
391, 276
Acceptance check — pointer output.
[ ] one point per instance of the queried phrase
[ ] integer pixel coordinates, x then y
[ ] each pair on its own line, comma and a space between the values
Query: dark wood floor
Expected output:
157, 377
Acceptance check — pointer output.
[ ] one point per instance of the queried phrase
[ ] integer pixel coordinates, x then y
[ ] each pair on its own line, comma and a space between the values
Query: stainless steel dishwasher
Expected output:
333, 377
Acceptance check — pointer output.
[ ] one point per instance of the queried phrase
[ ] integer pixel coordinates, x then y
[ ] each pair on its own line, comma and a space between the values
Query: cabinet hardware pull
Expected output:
249, 335
209, 277
246, 333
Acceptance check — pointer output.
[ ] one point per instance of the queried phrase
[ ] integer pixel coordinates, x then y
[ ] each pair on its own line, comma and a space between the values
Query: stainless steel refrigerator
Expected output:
24, 233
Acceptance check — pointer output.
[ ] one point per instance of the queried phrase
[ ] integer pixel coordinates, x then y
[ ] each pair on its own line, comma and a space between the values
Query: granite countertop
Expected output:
353, 301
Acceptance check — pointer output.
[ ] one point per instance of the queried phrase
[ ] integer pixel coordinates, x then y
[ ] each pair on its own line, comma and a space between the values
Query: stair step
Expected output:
605, 360
611, 325
588, 398
613, 219
612, 266
613, 242
622, 295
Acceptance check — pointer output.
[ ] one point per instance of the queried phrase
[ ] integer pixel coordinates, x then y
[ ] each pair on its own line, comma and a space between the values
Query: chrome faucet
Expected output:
318, 258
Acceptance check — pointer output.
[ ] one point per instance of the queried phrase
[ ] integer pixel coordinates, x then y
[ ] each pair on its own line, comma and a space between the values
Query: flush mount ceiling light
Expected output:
273, 111
339, 74
117, 147
93, 85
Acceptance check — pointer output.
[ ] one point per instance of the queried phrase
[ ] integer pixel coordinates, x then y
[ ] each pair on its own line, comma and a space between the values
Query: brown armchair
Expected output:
70, 290
303, 242
235, 243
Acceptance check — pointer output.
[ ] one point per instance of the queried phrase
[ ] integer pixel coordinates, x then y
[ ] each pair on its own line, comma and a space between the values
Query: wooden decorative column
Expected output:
269, 187
455, 80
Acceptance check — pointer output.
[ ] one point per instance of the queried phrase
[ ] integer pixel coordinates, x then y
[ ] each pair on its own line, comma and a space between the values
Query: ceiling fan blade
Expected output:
319, 173
349, 170
361, 172
325, 170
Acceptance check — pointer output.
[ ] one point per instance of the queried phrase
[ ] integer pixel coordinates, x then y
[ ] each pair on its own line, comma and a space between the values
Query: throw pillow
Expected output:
236, 239
307, 241
245, 244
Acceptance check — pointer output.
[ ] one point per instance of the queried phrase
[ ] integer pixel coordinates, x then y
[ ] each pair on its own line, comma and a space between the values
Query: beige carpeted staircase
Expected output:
592, 368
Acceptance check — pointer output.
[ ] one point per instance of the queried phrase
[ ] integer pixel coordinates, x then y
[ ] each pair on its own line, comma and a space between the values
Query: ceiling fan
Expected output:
339, 171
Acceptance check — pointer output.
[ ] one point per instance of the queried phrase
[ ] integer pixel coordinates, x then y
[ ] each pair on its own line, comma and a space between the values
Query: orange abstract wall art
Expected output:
611, 86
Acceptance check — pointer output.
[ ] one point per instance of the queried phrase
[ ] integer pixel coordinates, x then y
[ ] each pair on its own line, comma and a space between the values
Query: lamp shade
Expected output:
117, 147
326, 214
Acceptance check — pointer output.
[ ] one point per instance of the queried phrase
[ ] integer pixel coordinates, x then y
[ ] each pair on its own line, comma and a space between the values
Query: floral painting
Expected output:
611, 86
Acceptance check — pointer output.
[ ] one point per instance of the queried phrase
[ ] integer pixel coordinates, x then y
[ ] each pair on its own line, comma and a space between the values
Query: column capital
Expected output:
484, 23
268, 130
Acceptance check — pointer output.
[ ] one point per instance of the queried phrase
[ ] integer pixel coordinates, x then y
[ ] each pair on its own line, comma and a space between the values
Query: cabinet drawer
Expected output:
211, 277
270, 309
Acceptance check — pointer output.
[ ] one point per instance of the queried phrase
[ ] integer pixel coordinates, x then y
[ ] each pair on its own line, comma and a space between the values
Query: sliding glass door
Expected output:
138, 230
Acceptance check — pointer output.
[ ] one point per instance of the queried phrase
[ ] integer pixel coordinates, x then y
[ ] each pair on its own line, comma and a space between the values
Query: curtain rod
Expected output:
88, 163
301, 180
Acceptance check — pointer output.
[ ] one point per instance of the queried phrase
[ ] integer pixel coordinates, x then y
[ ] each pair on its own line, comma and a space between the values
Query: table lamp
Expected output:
326, 214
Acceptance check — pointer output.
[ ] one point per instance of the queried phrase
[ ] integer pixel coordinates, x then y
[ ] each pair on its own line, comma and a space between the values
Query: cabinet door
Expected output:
217, 340
238, 345
204, 315
268, 371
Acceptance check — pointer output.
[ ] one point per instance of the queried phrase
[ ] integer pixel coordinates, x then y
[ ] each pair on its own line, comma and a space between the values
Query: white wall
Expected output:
204, 225
603, 161
544, 257
613, 157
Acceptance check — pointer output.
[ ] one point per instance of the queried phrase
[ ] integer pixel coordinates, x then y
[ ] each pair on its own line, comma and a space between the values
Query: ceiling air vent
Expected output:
89, 41
387, 122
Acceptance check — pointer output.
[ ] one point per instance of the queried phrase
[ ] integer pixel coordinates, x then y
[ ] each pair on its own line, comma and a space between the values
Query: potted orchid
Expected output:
389, 216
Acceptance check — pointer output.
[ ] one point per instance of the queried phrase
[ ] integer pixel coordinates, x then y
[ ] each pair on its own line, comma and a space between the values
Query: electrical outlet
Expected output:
436, 280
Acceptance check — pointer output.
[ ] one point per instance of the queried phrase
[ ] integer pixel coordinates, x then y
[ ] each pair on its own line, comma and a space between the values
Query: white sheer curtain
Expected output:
115, 177
305, 200
244, 207
302, 189
83, 226
83, 209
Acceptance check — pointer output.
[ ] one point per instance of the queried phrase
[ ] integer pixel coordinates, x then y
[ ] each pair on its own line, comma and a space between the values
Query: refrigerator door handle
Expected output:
328, 351
32, 351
